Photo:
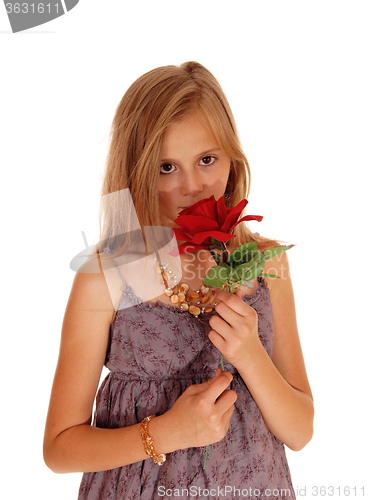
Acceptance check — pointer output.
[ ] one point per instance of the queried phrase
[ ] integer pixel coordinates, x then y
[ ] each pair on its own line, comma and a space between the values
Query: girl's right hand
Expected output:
201, 415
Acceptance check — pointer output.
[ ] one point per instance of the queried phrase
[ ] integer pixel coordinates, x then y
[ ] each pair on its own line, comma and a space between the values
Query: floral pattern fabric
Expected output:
155, 353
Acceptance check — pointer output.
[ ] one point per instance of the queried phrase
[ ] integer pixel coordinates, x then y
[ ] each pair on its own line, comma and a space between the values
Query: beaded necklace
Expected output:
195, 301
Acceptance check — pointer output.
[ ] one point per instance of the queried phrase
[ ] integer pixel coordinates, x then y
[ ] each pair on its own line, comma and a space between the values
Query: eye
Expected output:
208, 160
166, 168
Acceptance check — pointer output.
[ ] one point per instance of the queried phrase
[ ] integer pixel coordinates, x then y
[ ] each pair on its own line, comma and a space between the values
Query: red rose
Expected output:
208, 219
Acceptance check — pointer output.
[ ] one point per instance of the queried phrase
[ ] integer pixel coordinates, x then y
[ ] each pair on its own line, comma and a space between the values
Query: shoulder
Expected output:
277, 266
91, 290
90, 277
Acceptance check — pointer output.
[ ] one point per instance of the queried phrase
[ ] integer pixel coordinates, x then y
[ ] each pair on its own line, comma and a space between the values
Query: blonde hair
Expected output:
150, 105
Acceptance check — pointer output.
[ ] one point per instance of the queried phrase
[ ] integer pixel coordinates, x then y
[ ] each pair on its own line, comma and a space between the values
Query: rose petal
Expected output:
207, 235
193, 223
233, 215
246, 218
181, 234
186, 247
194, 207
208, 219
222, 211
252, 217
207, 210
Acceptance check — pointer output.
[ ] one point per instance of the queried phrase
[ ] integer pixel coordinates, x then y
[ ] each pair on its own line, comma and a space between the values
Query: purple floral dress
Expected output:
155, 353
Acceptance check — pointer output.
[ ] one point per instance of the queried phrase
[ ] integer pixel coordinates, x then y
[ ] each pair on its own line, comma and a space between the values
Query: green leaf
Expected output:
257, 259
244, 253
216, 277
269, 275
272, 252
253, 268
233, 274
224, 264
248, 284
216, 244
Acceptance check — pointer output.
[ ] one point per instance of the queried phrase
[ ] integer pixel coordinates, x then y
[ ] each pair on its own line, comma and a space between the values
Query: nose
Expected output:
192, 183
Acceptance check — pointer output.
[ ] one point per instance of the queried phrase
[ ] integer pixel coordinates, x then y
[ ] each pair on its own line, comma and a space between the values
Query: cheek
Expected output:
222, 175
164, 188
218, 186
165, 200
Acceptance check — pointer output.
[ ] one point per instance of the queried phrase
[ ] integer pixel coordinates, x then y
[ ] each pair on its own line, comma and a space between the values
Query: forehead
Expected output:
191, 132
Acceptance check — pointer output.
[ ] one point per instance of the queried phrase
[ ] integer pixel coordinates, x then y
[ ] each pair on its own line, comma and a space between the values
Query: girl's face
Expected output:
193, 167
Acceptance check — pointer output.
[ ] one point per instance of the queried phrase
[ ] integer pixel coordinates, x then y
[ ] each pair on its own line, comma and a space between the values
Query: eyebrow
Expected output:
199, 155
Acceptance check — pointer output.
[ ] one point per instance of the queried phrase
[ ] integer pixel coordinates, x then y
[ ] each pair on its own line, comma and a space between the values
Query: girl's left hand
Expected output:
235, 332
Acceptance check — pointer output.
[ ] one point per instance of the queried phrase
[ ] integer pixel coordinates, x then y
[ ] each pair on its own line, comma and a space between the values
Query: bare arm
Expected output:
279, 386
71, 444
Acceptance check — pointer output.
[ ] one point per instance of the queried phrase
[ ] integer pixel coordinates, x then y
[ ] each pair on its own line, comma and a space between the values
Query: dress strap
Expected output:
107, 251
128, 297
119, 272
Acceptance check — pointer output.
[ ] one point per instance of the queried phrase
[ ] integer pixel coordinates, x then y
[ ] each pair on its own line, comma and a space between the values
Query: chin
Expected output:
169, 222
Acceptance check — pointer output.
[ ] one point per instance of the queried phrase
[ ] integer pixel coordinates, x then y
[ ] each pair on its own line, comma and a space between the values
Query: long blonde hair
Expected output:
150, 105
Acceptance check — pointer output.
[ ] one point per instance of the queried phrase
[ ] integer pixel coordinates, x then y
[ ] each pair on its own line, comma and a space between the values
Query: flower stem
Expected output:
205, 457
224, 252
224, 257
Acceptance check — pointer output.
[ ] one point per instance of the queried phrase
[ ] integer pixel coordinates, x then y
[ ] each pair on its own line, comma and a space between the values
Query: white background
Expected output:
295, 74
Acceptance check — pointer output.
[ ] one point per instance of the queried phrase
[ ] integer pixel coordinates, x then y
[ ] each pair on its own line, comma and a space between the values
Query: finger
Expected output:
198, 388
227, 415
228, 315
219, 325
231, 316
218, 386
226, 401
233, 301
217, 373
217, 340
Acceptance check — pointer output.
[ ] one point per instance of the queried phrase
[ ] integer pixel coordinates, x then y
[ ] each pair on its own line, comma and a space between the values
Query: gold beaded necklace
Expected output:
194, 301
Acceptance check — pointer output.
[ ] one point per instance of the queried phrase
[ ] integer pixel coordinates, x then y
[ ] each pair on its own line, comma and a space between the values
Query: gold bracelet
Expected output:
148, 443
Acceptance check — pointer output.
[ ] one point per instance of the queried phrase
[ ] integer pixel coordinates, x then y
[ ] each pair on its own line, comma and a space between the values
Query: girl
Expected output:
174, 143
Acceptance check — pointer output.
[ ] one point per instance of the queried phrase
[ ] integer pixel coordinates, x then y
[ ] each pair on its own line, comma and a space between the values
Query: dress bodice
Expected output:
155, 353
